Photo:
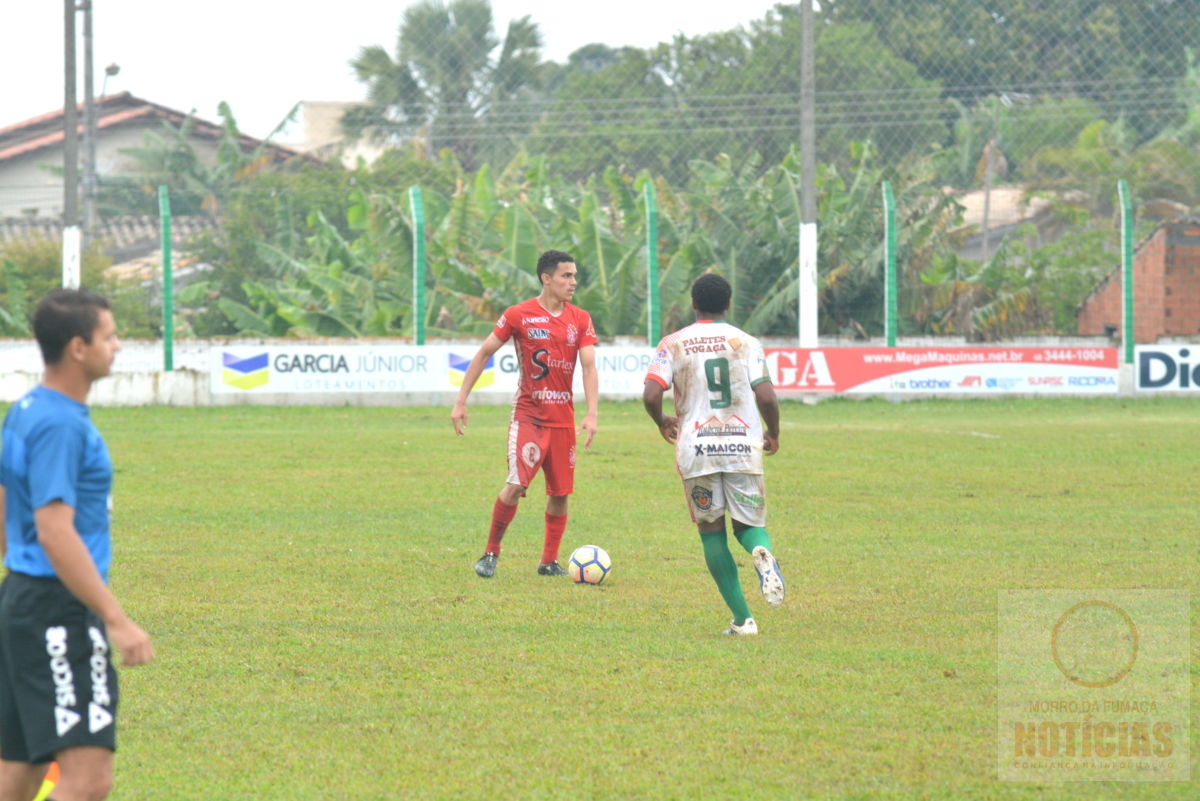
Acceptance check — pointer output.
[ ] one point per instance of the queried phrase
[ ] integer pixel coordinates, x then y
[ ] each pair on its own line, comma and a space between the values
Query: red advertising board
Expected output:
945, 370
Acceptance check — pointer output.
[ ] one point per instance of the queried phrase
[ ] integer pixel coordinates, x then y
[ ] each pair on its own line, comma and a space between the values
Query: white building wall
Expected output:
28, 189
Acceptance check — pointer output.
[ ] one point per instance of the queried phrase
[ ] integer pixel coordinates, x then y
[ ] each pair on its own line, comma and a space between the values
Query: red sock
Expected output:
502, 515
555, 526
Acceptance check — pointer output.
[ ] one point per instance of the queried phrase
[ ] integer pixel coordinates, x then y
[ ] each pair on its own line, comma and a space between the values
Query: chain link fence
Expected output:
1004, 128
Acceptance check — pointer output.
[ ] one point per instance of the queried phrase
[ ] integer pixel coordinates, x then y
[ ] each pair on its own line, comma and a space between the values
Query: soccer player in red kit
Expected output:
549, 334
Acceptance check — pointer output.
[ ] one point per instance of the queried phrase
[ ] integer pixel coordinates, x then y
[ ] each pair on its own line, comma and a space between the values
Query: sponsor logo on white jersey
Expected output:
704, 345
714, 426
720, 449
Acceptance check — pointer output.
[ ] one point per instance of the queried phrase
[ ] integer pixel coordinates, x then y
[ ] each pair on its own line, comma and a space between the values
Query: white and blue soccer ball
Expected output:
589, 564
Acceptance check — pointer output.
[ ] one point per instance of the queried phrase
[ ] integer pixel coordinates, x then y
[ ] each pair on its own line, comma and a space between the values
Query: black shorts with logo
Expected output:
58, 687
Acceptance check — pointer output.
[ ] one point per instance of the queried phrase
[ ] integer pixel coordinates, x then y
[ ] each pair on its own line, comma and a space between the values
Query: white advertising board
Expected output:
294, 369
1167, 368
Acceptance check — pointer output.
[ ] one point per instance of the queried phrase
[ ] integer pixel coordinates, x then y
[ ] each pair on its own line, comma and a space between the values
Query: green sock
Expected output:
724, 572
752, 537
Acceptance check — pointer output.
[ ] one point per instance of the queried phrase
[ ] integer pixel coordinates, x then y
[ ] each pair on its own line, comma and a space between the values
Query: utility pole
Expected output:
70, 123
807, 310
89, 110
71, 251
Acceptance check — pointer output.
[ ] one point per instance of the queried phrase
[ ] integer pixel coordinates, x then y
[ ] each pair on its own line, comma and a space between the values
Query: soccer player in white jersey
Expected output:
726, 418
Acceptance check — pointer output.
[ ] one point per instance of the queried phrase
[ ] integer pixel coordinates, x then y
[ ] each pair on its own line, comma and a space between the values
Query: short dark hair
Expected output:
63, 315
711, 293
548, 262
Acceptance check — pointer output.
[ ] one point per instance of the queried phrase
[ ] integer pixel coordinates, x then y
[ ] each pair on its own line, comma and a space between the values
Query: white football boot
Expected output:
747, 627
769, 579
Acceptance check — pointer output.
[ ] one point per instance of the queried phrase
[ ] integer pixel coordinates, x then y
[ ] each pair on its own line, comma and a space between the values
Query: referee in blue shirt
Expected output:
58, 686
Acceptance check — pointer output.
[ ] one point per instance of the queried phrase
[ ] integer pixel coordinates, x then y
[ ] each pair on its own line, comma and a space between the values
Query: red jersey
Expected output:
547, 348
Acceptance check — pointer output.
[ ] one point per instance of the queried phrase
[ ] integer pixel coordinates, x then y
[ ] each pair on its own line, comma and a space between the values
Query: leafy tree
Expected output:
31, 268
736, 93
197, 184
1016, 128
450, 76
341, 288
1119, 54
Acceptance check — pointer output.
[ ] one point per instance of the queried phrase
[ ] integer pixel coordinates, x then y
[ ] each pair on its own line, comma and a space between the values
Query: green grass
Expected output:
306, 574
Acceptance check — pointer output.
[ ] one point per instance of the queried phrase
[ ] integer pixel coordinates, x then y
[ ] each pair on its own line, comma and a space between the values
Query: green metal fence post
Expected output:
1127, 329
889, 259
164, 215
418, 213
652, 321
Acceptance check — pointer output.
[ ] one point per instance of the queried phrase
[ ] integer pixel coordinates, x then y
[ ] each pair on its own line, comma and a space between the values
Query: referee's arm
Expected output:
75, 569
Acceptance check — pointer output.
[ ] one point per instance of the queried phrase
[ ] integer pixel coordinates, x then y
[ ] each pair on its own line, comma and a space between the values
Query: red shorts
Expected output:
552, 450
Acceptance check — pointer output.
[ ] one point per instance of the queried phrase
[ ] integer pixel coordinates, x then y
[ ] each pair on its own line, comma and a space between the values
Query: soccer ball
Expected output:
589, 565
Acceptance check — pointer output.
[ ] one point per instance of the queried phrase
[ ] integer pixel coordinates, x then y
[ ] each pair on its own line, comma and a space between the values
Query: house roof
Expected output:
124, 238
113, 111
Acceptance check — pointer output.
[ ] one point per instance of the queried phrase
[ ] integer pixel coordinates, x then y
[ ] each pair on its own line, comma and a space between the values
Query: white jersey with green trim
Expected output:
713, 367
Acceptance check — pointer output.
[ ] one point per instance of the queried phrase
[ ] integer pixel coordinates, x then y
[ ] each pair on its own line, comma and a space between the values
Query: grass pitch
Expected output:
306, 574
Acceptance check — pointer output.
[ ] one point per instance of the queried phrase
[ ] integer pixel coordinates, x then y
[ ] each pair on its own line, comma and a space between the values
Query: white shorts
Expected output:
744, 495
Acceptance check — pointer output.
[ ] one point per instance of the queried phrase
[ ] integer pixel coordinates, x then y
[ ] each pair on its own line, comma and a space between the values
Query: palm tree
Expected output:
450, 72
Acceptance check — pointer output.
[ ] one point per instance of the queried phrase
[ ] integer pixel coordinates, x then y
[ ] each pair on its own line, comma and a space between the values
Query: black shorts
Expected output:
58, 687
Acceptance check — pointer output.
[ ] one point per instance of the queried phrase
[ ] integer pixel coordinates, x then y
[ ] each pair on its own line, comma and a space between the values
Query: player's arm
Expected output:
75, 569
475, 369
652, 399
768, 408
591, 391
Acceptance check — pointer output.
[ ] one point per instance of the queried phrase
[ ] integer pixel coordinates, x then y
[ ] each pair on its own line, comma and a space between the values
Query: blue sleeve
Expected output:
55, 453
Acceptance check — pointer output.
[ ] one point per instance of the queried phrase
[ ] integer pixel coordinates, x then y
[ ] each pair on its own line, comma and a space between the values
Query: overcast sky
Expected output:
264, 56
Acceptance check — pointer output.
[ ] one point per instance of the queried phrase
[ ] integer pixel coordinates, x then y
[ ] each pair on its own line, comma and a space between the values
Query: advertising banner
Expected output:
299, 368
954, 371
1167, 368
622, 369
